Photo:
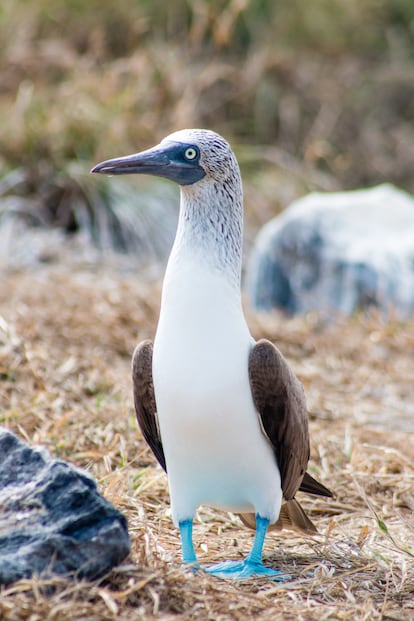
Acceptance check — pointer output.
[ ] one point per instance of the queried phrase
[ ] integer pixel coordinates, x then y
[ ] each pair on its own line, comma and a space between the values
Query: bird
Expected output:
224, 414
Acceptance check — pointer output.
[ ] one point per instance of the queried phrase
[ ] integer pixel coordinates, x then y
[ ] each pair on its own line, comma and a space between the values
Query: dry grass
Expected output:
66, 336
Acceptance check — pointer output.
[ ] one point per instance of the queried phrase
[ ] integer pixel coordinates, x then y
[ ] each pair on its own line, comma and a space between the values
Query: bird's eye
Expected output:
190, 153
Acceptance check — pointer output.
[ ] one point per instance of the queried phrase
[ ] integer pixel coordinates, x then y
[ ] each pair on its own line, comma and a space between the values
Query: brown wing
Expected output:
280, 401
144, 399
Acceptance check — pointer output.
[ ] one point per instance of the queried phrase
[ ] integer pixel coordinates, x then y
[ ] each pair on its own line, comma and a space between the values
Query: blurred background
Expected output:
312, 95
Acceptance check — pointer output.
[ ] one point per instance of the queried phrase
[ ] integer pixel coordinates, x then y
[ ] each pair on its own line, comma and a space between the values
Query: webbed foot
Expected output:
240, 570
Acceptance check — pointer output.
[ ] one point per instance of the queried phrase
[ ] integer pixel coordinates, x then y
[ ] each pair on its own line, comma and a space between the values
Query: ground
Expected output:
67, 333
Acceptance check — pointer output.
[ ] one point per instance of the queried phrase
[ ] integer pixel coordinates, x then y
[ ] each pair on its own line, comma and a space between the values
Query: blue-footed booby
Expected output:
224, 415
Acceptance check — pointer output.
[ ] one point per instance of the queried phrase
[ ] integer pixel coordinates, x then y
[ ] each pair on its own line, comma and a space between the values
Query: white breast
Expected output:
216, 452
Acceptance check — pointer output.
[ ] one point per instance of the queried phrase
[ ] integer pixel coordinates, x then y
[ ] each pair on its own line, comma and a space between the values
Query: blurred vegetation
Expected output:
312, 94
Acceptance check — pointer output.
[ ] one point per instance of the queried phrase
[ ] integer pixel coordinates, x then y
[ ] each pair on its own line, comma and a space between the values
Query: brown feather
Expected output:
312, 486
280, 401
291, 516
144, 398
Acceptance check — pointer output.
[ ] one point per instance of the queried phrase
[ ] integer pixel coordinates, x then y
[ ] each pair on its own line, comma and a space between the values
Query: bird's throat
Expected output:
209, 234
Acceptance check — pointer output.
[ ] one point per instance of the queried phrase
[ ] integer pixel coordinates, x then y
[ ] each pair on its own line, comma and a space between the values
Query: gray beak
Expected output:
151, 162
166, 160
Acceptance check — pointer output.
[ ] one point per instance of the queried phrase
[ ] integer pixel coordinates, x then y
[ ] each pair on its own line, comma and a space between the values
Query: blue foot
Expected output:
239, 570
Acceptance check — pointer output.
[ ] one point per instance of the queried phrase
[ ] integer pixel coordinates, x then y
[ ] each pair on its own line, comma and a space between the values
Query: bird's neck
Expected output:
210, 230
201, 295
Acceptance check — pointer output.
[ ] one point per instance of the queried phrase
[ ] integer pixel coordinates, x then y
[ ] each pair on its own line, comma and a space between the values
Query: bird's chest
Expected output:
215, 450
201, 375
200, 362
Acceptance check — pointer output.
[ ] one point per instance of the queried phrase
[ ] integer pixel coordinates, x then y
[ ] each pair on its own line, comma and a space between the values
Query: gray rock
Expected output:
338, 252
52, 518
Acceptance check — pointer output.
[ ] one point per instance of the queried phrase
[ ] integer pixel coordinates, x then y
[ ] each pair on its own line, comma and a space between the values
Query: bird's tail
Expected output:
291, 516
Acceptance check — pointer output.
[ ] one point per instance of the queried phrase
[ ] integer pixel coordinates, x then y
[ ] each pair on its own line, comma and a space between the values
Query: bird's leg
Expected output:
256, 553
188, 553
252, 564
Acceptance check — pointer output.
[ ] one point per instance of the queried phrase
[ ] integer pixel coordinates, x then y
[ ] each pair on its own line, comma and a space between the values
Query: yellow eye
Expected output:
190, 153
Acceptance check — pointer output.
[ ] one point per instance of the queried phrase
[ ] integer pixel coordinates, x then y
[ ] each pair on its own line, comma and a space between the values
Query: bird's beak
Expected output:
151, 162
164, 160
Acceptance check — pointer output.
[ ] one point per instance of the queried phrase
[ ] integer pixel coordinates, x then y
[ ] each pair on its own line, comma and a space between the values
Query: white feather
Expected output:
215, 450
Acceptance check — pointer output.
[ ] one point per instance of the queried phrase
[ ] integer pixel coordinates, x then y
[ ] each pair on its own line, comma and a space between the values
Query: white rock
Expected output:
337, 252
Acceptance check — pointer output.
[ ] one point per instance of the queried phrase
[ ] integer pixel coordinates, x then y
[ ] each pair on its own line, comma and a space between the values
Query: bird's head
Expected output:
186, 157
